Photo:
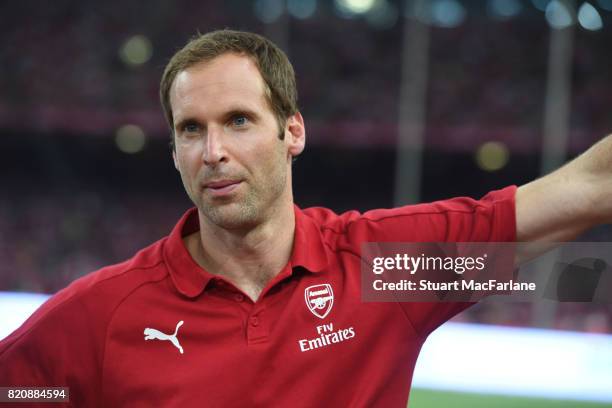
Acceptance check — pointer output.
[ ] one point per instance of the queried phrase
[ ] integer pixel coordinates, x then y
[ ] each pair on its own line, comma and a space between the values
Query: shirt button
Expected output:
238, 297
254, 321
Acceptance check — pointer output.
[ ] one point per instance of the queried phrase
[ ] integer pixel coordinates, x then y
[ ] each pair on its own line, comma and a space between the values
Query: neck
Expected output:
248, 258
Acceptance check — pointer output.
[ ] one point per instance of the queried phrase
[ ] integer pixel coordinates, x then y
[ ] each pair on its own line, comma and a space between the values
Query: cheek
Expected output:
186, 156
269, 159
187, 165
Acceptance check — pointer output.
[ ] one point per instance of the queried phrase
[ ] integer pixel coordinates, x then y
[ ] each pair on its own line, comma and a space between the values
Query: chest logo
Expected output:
154, 334
319, 299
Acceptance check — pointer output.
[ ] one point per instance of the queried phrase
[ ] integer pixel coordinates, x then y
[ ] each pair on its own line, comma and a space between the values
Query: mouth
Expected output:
222, 187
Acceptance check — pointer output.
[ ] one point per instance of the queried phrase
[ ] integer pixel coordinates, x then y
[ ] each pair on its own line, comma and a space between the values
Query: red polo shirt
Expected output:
115, 336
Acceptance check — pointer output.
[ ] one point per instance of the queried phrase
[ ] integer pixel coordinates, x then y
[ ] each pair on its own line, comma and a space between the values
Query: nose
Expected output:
214, 150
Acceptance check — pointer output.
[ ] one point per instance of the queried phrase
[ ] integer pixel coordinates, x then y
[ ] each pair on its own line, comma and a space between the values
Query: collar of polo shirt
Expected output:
190, 279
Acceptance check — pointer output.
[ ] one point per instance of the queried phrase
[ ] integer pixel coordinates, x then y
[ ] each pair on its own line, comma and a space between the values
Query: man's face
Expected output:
234, 166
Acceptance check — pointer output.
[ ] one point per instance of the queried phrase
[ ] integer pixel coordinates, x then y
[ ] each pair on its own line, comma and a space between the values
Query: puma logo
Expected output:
154, 334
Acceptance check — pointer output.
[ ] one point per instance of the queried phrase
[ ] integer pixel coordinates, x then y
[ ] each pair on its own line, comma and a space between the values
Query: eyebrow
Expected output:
251, 114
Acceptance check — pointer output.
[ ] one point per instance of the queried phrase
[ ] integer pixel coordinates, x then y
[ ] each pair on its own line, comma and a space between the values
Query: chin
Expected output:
232, 216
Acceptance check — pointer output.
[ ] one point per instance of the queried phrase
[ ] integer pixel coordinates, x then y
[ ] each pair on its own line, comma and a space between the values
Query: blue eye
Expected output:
239, 120
192, 127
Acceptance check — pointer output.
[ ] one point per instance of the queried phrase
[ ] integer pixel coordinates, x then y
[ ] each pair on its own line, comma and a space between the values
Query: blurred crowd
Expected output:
62, 70
48, 241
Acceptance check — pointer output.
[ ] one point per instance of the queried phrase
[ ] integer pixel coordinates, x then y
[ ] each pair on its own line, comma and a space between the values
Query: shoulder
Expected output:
455, 219
118, 280
91, 300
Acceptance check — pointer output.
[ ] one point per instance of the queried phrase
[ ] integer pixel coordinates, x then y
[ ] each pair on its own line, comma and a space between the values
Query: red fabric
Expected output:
90, 336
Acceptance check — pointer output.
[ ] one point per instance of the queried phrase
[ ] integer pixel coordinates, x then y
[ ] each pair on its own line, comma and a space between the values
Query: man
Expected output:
251, 301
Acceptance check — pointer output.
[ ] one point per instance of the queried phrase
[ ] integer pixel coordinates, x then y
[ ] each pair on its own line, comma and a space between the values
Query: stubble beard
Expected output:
250, 210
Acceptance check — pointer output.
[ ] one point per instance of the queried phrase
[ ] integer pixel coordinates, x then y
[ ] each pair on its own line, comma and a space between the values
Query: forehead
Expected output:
226, 79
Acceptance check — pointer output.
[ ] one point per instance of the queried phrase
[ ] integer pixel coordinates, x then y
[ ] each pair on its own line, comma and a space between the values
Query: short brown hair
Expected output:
274, 67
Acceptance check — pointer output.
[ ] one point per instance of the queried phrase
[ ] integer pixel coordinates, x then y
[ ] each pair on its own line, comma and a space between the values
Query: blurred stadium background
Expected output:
404, 101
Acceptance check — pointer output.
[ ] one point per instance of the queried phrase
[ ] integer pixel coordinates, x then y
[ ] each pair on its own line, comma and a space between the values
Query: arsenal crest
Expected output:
319, 299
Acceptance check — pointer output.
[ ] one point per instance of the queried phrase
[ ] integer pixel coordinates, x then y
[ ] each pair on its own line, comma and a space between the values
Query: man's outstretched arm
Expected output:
563, 204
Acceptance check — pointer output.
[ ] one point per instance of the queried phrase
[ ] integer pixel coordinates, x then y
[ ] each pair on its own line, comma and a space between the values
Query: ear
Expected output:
176, 165
295, 134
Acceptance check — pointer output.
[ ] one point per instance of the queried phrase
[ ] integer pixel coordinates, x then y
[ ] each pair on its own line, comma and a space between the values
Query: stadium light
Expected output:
383, 15
446, 13
137, 50
589, 18
351, 8
492, 156
301, 9
558, 15
130, 139
503, 9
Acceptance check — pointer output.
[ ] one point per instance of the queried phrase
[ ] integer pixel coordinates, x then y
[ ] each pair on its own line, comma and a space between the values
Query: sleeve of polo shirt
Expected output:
462, 219
54, 348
